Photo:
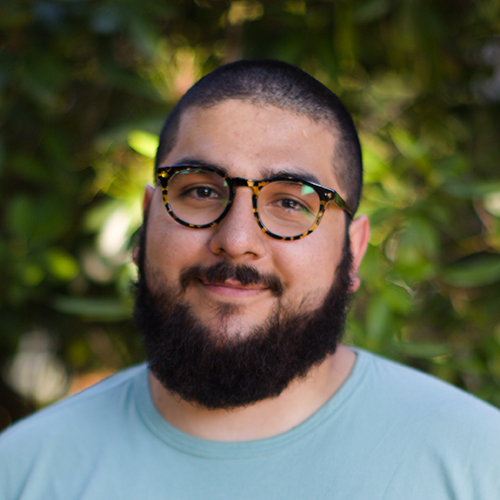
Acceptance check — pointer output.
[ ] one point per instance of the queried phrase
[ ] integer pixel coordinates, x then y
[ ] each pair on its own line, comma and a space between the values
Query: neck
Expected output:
264, 419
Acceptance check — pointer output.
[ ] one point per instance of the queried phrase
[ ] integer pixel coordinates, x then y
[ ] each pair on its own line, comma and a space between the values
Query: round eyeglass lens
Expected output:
197, 197
288, 208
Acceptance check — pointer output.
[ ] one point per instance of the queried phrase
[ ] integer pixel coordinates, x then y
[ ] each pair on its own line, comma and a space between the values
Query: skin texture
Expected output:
252, 142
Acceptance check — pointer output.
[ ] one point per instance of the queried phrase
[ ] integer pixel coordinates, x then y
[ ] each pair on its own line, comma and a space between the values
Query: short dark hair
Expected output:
275, 83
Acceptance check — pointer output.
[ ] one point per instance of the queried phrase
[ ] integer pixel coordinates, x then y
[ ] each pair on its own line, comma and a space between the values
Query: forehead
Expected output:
255, 142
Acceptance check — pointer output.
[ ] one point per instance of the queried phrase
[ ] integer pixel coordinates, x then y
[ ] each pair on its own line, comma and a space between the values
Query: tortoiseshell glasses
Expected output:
284, 207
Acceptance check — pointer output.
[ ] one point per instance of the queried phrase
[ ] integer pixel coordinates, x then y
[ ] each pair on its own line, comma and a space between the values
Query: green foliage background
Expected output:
86, 84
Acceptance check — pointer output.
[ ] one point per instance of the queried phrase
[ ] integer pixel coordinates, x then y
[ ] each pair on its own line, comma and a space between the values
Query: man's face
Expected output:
252, 142
229, 315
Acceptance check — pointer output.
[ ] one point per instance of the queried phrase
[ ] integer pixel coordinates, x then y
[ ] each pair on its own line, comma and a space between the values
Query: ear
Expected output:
148, 194
359, 233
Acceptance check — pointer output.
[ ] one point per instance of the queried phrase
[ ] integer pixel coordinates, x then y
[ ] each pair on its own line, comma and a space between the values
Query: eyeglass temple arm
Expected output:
334, 197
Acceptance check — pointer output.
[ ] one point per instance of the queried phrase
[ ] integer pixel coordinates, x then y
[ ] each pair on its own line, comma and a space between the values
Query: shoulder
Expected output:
80, 408
434, 412
414, 387
56, 436
418, 394
421, 427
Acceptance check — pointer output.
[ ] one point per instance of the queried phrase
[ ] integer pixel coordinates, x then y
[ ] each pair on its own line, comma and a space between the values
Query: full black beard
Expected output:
215, 370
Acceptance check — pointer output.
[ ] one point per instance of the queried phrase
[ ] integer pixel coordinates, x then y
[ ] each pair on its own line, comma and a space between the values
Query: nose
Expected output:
238, 235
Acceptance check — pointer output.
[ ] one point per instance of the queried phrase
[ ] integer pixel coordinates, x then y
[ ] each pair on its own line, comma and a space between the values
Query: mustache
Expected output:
218, 273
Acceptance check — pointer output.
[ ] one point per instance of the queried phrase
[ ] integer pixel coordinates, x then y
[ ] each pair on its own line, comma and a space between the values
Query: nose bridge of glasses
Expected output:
255, 186
240, 182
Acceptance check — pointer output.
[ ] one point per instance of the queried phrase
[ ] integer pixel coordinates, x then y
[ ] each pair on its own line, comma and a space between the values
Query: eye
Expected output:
201, 192
205, 192
289, 204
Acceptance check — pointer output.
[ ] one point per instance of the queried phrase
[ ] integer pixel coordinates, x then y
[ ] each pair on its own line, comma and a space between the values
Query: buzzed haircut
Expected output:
266, 82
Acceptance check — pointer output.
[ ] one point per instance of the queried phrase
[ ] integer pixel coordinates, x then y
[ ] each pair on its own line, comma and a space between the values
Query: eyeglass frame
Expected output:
326, 195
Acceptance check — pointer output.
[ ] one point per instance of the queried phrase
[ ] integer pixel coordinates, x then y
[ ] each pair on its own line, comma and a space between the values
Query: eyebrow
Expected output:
292, 172
190, 161
267, 172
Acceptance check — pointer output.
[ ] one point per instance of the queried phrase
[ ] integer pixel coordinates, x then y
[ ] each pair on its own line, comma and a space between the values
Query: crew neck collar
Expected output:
244, 449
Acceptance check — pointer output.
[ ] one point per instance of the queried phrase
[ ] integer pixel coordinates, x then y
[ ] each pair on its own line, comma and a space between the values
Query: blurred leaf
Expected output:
20, 216
143, 142
51, 219
398, 298
79, 354
378, 317
475, 270
93, 309
61, 264
407, 144
31, 274
424, 350
471, 189
30, 168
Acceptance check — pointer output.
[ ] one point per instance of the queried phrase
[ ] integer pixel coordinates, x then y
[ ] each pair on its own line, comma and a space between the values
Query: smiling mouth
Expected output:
226, 278
233, 288
233, 284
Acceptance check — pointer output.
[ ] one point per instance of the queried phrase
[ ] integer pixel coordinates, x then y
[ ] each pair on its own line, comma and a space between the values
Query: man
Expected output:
248, 254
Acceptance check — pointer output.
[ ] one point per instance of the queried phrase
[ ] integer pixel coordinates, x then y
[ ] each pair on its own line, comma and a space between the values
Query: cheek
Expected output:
308, 264
171, 247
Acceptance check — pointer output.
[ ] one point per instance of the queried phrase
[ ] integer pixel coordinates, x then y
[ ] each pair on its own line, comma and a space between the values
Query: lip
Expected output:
232, 288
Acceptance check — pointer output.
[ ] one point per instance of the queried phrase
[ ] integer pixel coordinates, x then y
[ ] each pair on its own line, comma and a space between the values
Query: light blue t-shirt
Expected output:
389, 433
